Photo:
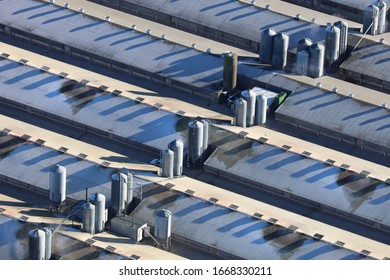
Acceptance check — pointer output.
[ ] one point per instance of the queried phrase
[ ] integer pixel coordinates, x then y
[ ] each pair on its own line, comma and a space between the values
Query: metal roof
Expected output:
34, 164
338, 113
303, 177
234, 232
372, 61
236, 18
79, 103
110, 41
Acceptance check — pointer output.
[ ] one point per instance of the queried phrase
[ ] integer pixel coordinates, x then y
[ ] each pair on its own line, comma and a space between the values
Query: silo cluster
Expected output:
198, 141
310, 58
172, 159
374, 21
40, 243
121, 192
274, 48
99, 201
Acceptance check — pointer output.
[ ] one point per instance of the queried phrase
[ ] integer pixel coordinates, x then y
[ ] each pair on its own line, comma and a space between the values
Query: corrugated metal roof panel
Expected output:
235, 233
341, 114
304, 177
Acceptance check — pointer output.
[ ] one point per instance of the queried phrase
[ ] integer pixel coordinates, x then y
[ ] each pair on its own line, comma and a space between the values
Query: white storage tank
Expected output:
89, 218
118, 192
382, 6
261, 109
332, 45
177, 146
36, 244
371, 20
250, 98
280, 49
99, 200
130, 188
266, 45
206, 134
240, 108
57, 191
48, 241
167, 163
343, 26
316, 60
302, 63
163, 227
195, 142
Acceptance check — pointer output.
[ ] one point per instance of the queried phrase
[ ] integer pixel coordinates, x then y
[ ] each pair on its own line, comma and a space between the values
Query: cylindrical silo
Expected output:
240, 108
229, 71
316, 60
302, 63
99, 200
304, 44
195, 142
371, 20
266, 45
118, 192
250, 98
280, 49
36, 244
177, 146
48, 241
130, 188
89, 218
332, 45
343, 26
261, 109
163, 227
382, 6
167, 163
57, 190
206, 134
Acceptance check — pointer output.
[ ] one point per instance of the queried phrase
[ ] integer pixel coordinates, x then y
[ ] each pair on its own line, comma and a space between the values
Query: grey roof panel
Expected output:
76, 102
236, 18
107, 40
341, 114
304, 177
235, 233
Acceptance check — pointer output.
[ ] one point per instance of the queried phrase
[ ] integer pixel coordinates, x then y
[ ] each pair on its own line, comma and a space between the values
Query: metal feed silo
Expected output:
177, 146
195, 142
206, 134
304, 44
302, 63
36, 244
48, 241
332, 45
316, 60
163, 227
130, 188
343, 26
280, 48
382, 6
99, 200
57, 190
371, 20
261, 109
266, 45
240, 107
250, 98
167, 163
89, 218
229, 71
118, 192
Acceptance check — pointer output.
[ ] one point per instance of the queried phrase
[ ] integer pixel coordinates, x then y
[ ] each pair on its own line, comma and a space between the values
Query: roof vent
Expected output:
208, 50
298, 16
334, 89
149, 31
267, 7
66, 5
52, 1
107, 18
351, 94
133, 27
382, 40
313, 20
193, 46
253, 2
163, 36
384, 104
81, 10
319, 85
